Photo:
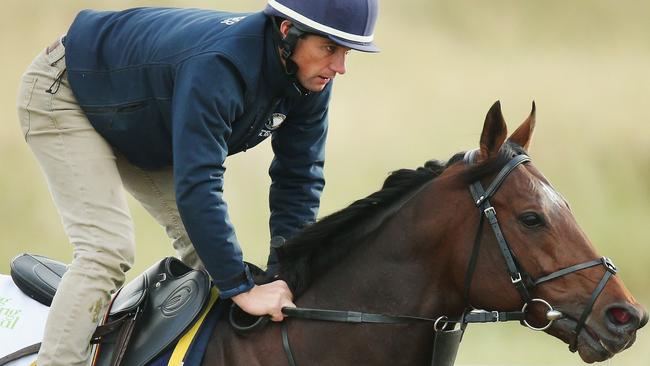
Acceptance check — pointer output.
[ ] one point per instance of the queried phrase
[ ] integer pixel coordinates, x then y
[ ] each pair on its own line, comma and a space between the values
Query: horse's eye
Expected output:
531, 220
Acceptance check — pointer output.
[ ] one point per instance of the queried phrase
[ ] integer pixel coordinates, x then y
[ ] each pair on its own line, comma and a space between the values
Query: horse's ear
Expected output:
494, 132
524, 133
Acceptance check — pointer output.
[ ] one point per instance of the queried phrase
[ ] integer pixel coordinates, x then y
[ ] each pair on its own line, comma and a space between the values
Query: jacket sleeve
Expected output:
208, 95
296, 171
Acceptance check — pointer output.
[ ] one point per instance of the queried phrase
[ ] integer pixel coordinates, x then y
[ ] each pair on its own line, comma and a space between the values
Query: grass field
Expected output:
584, 62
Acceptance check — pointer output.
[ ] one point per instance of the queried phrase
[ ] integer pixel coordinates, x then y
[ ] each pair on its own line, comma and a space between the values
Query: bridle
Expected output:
481, 199
523, 283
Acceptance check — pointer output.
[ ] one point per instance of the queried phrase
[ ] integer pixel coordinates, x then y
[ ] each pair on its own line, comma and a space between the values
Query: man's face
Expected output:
319, 60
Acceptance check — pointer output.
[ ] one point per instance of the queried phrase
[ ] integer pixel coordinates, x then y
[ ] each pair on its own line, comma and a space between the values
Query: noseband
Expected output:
523, 283
482, 201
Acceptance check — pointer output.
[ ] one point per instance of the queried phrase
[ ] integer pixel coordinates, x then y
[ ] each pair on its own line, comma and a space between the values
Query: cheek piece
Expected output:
287, 47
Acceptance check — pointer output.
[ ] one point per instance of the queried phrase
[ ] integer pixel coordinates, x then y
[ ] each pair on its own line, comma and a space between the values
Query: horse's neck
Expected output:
402, 267
373, 279
385, 274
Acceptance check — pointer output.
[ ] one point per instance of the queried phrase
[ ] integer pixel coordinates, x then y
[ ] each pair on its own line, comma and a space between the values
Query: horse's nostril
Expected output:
626, 317
620, 316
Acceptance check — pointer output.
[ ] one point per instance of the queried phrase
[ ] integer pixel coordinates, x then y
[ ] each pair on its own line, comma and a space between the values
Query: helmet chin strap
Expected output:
287, 47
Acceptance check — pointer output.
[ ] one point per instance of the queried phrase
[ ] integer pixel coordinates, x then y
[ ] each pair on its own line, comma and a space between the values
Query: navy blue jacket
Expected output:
188, 87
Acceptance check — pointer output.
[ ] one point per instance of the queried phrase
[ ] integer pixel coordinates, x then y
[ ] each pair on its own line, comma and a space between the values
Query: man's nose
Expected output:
338, 63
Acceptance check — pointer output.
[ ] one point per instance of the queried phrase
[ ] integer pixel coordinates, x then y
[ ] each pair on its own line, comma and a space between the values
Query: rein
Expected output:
446, 349
355, 317
439, 324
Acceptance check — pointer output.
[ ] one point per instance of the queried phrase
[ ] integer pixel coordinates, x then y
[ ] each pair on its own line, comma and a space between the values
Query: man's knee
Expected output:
116, 256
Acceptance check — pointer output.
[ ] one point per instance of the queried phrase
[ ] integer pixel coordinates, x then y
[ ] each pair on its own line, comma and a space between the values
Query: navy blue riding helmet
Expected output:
349, 23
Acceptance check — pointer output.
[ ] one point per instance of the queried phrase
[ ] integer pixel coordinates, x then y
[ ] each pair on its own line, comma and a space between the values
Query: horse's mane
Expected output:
318, 247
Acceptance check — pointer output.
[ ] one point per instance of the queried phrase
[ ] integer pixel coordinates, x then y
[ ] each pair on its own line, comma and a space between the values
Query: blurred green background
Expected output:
584, 62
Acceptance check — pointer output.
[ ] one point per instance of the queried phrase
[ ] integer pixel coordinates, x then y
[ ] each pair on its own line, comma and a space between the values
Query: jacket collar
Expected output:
275, 74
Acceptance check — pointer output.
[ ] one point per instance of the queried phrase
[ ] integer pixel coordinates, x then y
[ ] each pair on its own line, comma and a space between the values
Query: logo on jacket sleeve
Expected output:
231, 21
272, 124
275, 121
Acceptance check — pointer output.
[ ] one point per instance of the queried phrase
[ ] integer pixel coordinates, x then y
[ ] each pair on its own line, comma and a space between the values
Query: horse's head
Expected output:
556, 260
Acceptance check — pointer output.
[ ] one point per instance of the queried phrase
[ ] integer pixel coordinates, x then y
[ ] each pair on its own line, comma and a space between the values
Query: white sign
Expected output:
22, 320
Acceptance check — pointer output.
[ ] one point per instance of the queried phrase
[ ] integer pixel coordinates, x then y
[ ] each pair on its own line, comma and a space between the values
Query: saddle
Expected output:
37, 276
147, 315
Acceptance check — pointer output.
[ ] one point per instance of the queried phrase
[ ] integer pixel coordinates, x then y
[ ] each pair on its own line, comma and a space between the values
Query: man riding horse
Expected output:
155, 100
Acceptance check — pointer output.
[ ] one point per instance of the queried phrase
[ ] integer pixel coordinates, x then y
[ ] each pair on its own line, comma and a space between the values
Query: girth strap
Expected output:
286, 345
108, 328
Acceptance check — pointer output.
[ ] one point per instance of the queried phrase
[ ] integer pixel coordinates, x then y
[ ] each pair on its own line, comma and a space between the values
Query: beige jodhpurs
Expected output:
85, 177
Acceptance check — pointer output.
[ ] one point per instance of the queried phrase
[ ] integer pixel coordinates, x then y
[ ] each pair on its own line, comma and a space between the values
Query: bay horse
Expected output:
425, 246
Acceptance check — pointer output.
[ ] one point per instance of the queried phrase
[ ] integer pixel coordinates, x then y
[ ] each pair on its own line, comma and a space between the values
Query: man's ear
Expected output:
285, 26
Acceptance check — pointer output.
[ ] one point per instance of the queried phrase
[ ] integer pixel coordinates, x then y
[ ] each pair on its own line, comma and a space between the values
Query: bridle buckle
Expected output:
490, 210
517, 279
495, 315
609, 265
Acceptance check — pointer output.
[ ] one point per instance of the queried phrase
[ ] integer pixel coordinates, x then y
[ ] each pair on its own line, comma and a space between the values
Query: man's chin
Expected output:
315, 86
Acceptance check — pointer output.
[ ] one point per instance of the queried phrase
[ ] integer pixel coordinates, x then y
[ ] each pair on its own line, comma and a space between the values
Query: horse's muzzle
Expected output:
644, 319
